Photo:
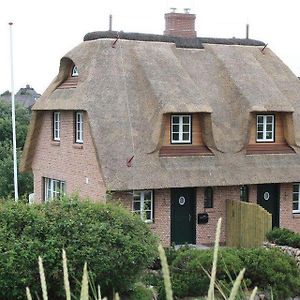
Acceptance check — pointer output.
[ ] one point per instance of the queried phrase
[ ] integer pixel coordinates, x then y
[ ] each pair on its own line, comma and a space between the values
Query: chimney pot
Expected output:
173, 9
187, 10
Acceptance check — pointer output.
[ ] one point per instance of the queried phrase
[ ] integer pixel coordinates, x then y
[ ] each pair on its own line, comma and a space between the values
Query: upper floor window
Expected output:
74, 72
244, 193
79, 127
265, 128
296, 198
142, 205
56, 126
181, 129
54, 189
208, 197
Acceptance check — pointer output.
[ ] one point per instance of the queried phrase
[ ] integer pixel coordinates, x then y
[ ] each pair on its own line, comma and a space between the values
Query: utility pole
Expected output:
13, 115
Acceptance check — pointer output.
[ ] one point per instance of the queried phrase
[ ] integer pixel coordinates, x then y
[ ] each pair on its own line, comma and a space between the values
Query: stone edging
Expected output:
293, 252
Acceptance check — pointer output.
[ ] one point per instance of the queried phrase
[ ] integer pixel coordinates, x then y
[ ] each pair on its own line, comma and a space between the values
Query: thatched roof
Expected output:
126, 90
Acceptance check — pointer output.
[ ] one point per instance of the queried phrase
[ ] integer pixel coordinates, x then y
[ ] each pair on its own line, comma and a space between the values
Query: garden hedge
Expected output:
116, 245
284, 237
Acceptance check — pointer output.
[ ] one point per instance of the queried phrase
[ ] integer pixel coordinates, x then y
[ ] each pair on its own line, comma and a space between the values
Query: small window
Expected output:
142, 205
265, 128
244, 193
74, 72
181, 129
56, 126
208, 197
79, 127
54, 189
296, 198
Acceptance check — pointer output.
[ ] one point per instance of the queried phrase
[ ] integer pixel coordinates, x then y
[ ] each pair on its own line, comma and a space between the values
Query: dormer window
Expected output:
74, 72
265, 128
181, 129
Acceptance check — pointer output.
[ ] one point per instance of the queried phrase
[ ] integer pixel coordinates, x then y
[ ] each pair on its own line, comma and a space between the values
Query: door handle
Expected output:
190, 217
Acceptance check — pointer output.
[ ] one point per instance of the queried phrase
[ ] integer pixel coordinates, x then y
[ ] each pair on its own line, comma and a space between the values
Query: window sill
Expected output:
77, 146
296, 214
186, 150
55, 143
269, 149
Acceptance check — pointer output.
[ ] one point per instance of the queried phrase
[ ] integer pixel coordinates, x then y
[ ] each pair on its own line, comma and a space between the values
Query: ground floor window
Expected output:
296, 198
142, 204
208, 197
53, 188
244, 193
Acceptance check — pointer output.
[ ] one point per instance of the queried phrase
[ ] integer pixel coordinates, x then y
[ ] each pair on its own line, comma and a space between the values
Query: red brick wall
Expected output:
75, 164
287, 218
179, 24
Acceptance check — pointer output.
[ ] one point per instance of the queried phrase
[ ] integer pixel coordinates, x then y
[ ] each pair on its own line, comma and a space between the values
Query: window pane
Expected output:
175, 128
148, 215
186, 120
260, 136
147, 195
175, 119
260, 127
296, 187
186, 128
175, 136
295, 206
269, 135
269, 127
136, 205
137, 196
270, 119
186, 136
260, 119
147, 205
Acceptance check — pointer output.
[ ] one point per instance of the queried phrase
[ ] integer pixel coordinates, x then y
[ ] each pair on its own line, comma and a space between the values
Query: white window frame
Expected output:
265, 131
298, 200
54, 189
56, 126
79, 127
141, 199
180, 132
74, 72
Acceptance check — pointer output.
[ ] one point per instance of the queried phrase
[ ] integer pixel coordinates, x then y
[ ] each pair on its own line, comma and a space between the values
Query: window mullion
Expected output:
265, 127
180, 128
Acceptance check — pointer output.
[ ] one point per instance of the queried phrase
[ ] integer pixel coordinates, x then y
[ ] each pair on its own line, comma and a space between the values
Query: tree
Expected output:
6, 151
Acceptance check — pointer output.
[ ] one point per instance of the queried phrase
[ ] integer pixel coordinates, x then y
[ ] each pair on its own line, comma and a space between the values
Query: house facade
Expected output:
172, 125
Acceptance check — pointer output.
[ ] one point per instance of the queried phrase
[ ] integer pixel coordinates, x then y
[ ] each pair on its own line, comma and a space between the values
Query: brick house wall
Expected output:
75, 164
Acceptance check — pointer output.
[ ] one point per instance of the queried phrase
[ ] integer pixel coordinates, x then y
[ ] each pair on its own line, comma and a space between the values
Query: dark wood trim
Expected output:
268, 148
180, 150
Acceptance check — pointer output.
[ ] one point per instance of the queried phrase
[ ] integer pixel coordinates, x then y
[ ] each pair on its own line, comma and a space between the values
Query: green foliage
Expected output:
285, 237
188, 270
116, 245
141, 292
270, 268
266, 268
6, 152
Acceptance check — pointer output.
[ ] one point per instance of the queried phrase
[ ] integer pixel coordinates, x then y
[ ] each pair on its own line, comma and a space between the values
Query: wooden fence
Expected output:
246, 224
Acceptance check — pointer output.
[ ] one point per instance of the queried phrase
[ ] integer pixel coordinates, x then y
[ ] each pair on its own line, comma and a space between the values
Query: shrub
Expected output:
117, 246
188, 275
285, 237
271, 268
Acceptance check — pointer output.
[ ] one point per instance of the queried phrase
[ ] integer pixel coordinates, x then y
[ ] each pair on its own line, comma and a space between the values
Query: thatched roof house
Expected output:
130, 86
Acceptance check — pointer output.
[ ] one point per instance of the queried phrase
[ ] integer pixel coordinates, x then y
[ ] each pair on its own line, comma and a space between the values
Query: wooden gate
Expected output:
246, 224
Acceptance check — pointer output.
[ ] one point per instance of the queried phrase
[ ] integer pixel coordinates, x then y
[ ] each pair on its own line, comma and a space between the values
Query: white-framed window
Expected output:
54, 188
56, 126
181, 126
265, 128
79, 127
74, 72
296, 198
142, 204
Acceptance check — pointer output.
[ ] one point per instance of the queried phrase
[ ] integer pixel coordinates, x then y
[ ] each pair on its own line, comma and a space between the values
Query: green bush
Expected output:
117, 246
188, 275
283, 236
270, 268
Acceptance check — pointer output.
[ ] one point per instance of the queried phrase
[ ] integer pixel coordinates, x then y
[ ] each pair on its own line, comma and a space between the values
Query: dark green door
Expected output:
268, 198
183, 216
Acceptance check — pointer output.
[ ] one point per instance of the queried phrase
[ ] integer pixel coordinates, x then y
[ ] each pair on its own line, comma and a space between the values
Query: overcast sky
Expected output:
44, 30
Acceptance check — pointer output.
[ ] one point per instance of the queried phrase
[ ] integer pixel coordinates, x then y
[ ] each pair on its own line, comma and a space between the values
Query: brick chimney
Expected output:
180, 24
